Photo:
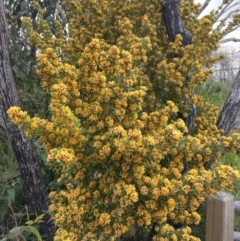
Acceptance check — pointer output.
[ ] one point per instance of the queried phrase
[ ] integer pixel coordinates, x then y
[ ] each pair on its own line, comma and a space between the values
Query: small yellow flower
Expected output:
104, 219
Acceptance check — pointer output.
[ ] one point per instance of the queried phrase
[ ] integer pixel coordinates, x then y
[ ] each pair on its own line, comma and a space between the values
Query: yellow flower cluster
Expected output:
114, 136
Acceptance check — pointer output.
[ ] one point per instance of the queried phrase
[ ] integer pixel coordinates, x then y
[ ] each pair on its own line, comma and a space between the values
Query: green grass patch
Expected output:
214, 92
233, 160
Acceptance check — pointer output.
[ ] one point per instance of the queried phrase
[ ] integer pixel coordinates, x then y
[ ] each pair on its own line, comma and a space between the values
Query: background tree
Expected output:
226, 69
23, 148
230, 110
228, 10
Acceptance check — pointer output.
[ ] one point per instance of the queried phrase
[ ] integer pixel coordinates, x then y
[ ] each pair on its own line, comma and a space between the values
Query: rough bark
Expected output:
173, 22
24, 150
174, 26
231, 107
191, 119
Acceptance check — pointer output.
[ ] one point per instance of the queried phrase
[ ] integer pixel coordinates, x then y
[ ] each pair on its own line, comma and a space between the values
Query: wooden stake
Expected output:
220, 217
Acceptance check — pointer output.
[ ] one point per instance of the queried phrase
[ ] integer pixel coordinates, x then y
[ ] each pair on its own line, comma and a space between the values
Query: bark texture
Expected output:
230, 110
191, 119
173, 22
24, 150
174, 26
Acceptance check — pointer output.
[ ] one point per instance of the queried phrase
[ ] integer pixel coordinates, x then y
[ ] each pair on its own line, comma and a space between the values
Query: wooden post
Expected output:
220, 217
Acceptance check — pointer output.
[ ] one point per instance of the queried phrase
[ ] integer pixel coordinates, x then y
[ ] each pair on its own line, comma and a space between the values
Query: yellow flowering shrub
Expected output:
114, 136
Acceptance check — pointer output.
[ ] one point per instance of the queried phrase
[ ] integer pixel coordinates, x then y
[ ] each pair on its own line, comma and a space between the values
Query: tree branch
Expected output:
61, 11
229, 14
232, 30
225, 9
203, 7
229, 40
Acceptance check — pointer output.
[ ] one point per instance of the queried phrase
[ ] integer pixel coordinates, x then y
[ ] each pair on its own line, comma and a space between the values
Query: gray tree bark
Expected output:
231, 107
205, 4
228, 115
173, 22
24, 150
174, 26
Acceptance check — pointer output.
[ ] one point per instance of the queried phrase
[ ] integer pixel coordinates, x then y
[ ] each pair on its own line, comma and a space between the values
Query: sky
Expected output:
229, 47
214, 4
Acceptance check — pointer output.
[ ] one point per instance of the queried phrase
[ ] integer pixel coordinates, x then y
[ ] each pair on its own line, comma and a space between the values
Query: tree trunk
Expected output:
174, 26
230, 110
173, 22
24, 150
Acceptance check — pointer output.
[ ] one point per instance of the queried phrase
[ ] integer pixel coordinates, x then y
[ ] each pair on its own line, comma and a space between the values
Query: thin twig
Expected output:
203, 7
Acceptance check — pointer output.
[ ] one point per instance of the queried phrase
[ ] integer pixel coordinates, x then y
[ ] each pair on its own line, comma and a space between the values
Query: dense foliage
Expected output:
118, 88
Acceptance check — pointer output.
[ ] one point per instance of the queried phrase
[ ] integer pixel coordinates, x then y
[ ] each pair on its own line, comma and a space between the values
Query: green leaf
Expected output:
24, 4
39, 218
10, 3
16, 8
35, 232
53, 3
29, 222
23, 12
22, 238
47, 12
3, 209
4, 196
11, 193
18, 72
13, 233
17, 230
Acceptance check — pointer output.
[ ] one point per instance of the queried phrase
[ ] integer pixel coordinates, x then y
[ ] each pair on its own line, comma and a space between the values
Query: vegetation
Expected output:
214, 92
115, 132
10, 188
13, 212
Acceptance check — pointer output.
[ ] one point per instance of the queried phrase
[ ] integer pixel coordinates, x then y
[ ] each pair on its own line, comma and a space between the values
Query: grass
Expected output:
233, 160
214, 92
